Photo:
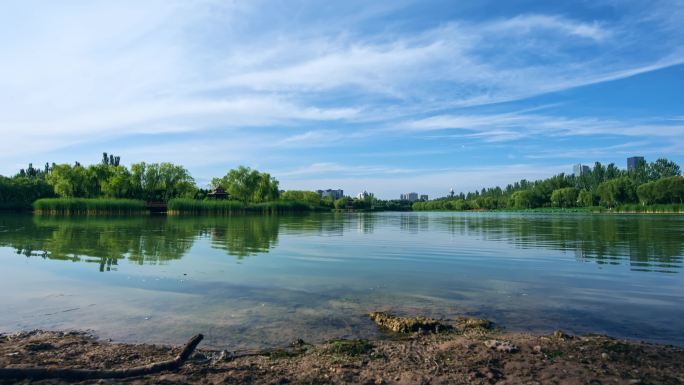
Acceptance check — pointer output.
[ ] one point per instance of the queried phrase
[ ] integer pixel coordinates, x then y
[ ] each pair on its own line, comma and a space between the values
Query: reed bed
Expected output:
224, 207
83, 206
651, 209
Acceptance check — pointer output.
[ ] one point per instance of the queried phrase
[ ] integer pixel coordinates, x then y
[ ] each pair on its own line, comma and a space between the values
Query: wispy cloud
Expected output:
325, 169
526, 24
643, 147
296, 83
512, 126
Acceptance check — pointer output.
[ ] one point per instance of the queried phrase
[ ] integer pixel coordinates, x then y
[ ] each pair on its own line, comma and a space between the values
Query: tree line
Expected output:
659, 182
154, 182
142, 181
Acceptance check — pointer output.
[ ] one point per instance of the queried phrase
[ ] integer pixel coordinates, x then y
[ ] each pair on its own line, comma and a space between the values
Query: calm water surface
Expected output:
263, 281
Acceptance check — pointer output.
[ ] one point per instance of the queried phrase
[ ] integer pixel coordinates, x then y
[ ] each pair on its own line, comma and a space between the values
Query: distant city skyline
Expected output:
386, 97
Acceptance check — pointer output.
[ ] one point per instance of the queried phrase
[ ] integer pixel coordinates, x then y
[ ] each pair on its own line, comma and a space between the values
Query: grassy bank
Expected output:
82, 206
223, 207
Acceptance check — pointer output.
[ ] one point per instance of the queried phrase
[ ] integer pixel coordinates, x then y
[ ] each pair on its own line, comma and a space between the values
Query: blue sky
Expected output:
387, 97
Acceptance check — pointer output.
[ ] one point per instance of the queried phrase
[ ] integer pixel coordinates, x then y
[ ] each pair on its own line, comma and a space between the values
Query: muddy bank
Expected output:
461, 356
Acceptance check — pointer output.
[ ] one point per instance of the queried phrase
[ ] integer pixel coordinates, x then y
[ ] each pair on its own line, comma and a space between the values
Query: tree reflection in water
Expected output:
647, 243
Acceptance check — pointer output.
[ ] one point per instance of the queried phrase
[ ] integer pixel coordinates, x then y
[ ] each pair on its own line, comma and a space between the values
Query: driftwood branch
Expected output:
89, 374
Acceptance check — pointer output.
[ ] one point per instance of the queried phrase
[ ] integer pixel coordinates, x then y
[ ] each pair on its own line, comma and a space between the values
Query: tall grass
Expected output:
645, 209
651, 209
82, 206
222, 207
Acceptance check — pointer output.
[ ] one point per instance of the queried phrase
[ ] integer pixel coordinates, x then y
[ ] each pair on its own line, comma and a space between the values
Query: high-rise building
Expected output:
579, 169
334, 194
424, 197
412, 197
634, 162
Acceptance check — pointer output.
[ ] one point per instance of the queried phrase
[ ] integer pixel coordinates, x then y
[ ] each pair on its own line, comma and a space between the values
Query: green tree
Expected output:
73, 182
585, 198
640, 174
247, 185
617, 191
310, 197
564, 197
161, 182
118, 184
18, 193
612, 172
342, 203
523, 199
664, 190
663, 168
266, 188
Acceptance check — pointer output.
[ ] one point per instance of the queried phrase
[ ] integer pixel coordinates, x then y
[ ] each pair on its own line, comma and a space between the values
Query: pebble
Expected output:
225, 356
605, 356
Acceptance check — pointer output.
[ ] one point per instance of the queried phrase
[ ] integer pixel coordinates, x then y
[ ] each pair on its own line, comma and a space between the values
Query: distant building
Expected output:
423, 197
334, 194
633, 162
579, 169
364, 195
412, 197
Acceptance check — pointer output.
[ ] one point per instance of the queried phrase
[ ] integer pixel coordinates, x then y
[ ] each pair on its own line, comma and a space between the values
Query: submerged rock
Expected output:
465, 323
409, 324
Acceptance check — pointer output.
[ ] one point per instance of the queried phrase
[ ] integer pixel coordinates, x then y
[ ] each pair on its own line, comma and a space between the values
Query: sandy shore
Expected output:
472, 356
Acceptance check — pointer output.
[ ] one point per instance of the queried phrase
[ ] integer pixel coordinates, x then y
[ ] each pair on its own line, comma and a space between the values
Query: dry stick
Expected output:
88, 374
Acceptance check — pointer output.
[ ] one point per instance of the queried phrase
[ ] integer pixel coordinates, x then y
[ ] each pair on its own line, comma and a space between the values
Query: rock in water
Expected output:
473, 323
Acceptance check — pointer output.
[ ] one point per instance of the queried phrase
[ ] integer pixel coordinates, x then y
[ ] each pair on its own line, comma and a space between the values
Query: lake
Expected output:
258, 281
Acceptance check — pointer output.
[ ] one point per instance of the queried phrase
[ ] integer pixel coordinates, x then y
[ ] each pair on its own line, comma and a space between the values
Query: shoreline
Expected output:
38, 213
468, 355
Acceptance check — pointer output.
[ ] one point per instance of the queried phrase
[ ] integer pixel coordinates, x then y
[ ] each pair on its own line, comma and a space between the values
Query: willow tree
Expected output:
161, 181
249, 186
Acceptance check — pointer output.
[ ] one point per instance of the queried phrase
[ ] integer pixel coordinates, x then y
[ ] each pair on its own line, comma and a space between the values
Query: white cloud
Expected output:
526, 24
74, 74
512, 126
